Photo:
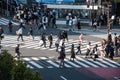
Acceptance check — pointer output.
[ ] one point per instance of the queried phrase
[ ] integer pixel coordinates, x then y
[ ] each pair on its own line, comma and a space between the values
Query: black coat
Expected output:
17, 50
111, 52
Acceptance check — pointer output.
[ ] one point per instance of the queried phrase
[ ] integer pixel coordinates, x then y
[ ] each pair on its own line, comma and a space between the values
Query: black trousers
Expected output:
20, 35
78, 51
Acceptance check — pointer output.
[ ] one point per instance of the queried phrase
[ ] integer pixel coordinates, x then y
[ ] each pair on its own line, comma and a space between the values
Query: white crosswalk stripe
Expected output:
79, 62
30, 44
4, 21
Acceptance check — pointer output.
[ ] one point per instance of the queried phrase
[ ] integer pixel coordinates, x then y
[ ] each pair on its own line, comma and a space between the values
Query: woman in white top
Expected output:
88, 53
20, 31
74, 22
70, 24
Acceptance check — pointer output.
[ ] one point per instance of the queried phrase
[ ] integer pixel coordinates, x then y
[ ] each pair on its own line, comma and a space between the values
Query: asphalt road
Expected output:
80, 74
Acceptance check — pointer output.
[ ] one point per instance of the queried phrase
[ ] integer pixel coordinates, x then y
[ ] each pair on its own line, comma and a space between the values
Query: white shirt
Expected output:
74, 21
20, 31
70, 22
89, 47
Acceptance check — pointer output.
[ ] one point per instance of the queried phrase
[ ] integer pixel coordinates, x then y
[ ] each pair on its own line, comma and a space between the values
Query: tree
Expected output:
11, 69
6, 65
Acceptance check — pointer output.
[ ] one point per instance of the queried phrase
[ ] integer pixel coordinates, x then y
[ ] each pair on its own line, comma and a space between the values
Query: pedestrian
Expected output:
20, 32
74, 21
111, 51
102, 51
65, 35
50, 38
1, 33
70, 24
54, 22
17, 52
88, 53
43, 38
109, 38
107, 49
67, 20
95, 25
57, 42
60, 35
116, 43
30, 33
95, 52
72, 52
78, 24
81, 38
62, 57
10, 26
78, 48
40, 27
63, 45
102, 48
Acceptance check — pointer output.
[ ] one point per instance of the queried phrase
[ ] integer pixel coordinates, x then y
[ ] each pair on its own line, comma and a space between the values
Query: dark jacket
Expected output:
17, 50
50, 38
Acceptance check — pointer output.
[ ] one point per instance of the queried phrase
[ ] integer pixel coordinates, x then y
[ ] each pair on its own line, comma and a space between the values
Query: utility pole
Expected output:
108, 19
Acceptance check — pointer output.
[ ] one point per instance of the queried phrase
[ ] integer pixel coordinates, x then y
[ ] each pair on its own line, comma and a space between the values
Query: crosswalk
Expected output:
79, 62
4, 21
28, 43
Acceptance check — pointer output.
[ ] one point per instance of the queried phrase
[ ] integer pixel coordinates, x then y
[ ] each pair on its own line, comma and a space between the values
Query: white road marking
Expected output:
107, 63
35, 64
89, 63
63, 78
54, 64
72, 63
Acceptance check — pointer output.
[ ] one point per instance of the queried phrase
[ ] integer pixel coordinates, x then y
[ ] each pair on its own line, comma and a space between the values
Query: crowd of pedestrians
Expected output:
44, 18
108, 48
38, 15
